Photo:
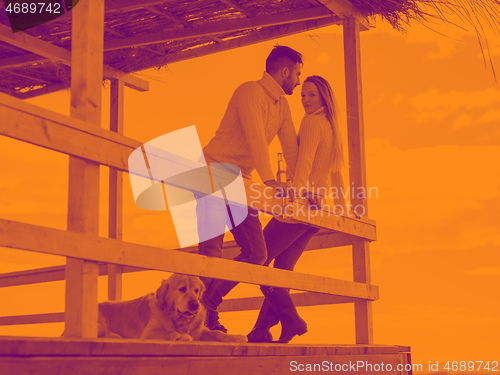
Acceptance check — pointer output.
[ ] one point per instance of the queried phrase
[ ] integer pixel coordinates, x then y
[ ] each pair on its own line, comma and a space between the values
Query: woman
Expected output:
320, 155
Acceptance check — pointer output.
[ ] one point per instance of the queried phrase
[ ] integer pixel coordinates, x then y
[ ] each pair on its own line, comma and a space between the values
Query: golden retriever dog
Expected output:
174, 312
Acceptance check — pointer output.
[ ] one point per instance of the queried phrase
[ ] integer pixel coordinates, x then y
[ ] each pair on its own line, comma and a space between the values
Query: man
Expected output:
256, 113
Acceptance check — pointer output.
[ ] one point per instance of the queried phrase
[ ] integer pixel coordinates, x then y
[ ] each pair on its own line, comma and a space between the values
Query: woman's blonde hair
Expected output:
330, 104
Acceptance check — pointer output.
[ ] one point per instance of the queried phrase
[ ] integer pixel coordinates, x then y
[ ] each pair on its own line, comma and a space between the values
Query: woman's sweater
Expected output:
315, 154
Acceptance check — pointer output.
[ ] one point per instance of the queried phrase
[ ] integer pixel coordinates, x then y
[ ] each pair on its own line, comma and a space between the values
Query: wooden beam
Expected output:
48, 274
21, 60
115, 224
234, 304
25, 347
87, 37
322, 240
299, 299
99, 249
164, 14
40, 275
255, 37
54, 53
219, 28
357, 171
63, 134
42, 81
235, 5
42, 91
201, 362
129, 5
110, 30
32, 319
345, 9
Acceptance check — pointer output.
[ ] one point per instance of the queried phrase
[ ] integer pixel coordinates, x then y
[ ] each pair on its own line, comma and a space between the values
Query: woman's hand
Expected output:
281, 187
315, 201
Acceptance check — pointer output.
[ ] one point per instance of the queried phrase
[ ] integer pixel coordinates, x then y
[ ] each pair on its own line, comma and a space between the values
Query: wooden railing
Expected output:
44, 128
89, 255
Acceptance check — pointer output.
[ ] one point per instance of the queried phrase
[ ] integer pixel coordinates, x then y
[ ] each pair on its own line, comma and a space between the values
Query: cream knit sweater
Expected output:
256, 113
315, 153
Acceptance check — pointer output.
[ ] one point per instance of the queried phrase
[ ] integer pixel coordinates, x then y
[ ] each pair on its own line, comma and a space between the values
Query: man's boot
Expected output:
267, 319
212, 298
291, 323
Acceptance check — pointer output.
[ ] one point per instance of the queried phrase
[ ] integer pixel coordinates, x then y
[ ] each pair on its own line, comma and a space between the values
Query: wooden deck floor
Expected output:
19, 356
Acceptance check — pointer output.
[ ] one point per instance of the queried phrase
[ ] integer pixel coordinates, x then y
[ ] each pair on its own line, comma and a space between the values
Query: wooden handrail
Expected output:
89, 247
322, 240
235, 304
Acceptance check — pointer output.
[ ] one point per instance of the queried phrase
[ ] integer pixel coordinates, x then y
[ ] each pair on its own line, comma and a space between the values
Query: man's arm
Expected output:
251, 110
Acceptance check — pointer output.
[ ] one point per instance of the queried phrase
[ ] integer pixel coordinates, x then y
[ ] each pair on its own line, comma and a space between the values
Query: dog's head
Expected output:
180, 295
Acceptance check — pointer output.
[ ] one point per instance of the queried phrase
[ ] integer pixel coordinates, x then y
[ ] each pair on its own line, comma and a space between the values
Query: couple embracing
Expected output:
256, 113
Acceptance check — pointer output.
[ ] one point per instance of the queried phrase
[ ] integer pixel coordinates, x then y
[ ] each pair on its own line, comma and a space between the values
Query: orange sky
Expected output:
432, 112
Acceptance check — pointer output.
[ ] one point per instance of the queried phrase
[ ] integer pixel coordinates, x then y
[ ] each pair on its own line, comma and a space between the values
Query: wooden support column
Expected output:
357, 172
83, 195
116, 191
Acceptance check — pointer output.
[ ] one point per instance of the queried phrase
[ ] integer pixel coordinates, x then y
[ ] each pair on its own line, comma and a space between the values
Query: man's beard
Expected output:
288, 88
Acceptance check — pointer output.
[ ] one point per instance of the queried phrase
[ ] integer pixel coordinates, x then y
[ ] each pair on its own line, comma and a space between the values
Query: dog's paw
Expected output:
239, 338
183, 337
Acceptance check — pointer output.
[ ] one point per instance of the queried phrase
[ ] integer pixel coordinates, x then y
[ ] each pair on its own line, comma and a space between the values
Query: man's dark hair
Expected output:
280, 57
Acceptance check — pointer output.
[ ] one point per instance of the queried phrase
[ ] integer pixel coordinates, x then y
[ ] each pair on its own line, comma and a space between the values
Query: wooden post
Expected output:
83, 195
115, 191
357, 172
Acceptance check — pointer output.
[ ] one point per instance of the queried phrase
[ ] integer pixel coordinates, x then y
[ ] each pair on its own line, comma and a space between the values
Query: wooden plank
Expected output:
357, 171
219, 28
234, 304
363, 313
235, 5
48, 274
41, 127
32, 319
191, 365
354, 102
115, 225
21, 60
58, 54
36, 276
169, 16
42, 91
345, 9
258, 36
72, 244
32, 77
25, 347
329, 219
129, 5
83, 188
259, 197
231, 250
300, 299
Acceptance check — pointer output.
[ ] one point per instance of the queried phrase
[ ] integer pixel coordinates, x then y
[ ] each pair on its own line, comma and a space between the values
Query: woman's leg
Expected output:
287, 259
279, 236
285, 242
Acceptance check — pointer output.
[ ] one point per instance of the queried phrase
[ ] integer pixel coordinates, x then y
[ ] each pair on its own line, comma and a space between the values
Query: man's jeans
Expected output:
248, 236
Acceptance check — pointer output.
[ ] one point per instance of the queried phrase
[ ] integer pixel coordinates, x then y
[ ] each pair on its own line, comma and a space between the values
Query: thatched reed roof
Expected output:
141, 34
